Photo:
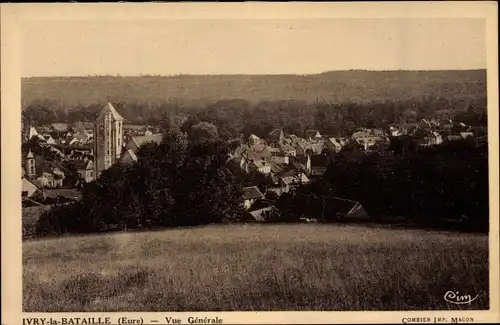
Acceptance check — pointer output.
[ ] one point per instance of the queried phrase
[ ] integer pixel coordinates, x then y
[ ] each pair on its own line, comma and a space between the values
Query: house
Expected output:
287, 150
134, 129
280, 159
253, 140
450, 138
312, 134
296, 143
260, 166
79, 138
394, 131
303, 165
300, 149
250, 195
43, 173
380, 147
446, 124
32, 133
258, 151
73, 141
48, 138
318, 165
264, 213
57, 171
288, 171
28, 188
367, 138
335, 208
433, 138
315, 147
478, 131
81, 126
239, 150
85, 170
262, 210
62, 195
128, 157
334, 144
59, 127
84, 130
278, 189
275, 137
425, 124
257, 156
292, 179
49, 180
379, 132
278, 168
409, 128
62, 149
136, 142
235, 157
466, 135
274, 151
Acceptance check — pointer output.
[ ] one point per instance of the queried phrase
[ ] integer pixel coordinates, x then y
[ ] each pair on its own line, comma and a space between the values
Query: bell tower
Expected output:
30, 165
108, 138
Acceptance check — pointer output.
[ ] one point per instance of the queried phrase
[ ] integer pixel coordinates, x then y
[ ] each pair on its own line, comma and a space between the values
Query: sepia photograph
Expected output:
258, 164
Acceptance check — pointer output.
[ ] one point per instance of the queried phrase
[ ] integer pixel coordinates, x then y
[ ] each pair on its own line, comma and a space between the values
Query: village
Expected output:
70, 155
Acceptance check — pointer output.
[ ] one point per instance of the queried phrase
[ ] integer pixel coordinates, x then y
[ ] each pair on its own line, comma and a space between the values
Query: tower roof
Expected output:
114, 113
30, 155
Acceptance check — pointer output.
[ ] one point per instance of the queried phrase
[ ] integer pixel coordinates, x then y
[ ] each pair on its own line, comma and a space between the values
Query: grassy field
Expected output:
255, 267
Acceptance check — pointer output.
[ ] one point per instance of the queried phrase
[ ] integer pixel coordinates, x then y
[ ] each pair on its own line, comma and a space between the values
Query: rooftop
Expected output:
68, 193
252, 192
140, 140
114, 113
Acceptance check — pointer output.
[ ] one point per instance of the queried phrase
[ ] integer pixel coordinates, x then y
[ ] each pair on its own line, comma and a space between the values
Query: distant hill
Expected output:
335, 86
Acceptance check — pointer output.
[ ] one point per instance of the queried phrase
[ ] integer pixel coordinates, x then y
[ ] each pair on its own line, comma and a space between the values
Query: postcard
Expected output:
250, 163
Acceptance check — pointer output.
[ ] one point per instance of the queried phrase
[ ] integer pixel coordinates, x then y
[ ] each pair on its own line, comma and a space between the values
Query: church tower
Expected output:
30, 165
108, 139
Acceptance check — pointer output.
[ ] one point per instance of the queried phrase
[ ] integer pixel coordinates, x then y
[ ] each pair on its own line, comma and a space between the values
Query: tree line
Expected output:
424, 186
234, 117
175, 183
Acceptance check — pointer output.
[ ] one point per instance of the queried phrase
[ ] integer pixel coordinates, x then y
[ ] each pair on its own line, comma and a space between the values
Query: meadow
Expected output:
255, 267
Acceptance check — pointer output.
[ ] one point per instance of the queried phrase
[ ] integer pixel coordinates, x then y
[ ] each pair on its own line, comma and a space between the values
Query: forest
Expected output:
236, 117
201, 90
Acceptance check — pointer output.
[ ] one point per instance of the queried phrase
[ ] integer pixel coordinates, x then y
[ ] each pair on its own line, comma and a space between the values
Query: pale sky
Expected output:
252, 46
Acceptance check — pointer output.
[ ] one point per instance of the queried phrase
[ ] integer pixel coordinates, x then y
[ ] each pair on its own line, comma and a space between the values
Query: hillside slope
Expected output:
336, 86
255, 267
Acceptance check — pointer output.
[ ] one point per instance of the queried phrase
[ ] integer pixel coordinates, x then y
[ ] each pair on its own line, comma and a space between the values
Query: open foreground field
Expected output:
256, 267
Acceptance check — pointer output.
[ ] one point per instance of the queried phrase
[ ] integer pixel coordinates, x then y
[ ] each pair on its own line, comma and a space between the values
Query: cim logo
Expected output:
454, 297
